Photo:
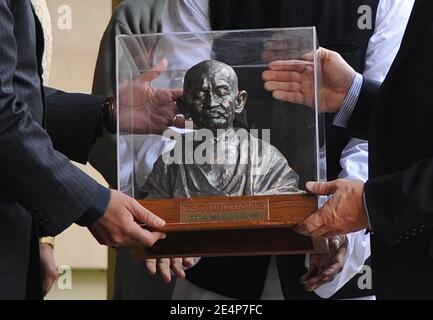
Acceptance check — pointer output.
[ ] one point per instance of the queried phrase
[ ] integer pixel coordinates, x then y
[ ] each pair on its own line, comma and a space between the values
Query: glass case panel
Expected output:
238, 140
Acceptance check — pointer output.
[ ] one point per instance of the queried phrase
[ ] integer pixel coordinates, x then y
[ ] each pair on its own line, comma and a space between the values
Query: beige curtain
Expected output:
43, 14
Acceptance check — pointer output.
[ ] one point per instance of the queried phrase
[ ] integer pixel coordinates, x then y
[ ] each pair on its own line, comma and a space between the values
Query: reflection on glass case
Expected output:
203, 144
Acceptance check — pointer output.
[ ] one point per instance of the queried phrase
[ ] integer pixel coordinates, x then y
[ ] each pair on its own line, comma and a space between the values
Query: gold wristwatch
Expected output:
47, 240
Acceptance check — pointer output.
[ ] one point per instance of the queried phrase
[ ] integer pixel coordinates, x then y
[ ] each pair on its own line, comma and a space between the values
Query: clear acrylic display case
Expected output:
295, 130
156, 64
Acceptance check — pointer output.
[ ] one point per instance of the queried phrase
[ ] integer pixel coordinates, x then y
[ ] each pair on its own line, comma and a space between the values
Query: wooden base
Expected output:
231, 243
232, 226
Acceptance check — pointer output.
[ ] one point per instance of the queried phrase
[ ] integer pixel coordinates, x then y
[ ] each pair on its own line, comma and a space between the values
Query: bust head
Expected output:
211, 95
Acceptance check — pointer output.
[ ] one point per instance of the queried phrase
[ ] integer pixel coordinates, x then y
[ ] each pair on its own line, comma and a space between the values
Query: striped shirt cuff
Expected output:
343, 116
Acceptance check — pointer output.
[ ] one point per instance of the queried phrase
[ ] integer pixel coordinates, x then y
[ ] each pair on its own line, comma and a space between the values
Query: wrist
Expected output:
109, 115
48, 241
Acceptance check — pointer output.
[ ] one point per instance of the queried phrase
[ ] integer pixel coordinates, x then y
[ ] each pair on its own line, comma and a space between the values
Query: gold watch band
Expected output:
47, 240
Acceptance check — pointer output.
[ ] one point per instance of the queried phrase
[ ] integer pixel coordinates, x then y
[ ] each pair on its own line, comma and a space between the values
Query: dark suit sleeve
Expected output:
32, 173
400, 205
360, 119
74, 122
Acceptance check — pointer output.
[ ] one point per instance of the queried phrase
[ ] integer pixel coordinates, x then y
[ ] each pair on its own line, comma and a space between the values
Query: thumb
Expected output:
144, 216
176, 93
321, 55
322, 188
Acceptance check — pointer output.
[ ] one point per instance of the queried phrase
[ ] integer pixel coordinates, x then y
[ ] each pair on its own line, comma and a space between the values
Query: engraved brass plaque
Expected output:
191, 212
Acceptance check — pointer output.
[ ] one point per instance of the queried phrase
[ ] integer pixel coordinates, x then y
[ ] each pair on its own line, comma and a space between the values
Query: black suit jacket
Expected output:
41, 192
399, 194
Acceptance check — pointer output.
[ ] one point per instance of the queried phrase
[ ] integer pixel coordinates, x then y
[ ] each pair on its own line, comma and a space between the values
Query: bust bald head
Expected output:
210, 69
211, 95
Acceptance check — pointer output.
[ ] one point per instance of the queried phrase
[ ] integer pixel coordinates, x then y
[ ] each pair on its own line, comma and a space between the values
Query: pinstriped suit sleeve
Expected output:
74, 122
33, 174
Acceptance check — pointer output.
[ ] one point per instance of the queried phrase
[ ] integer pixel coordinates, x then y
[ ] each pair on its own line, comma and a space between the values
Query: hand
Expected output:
293, 80
325, 267
344, 212
146, 110
48, 267
121, 224
165, 267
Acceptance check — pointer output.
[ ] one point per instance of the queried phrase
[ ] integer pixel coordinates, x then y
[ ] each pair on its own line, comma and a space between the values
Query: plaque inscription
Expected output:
191, 212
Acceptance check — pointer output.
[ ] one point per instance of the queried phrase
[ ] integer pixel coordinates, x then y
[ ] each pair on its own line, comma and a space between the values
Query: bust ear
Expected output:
182, 108
241, 100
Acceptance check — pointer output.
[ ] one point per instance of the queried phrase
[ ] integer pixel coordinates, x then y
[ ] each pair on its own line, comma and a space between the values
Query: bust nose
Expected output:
211, 101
